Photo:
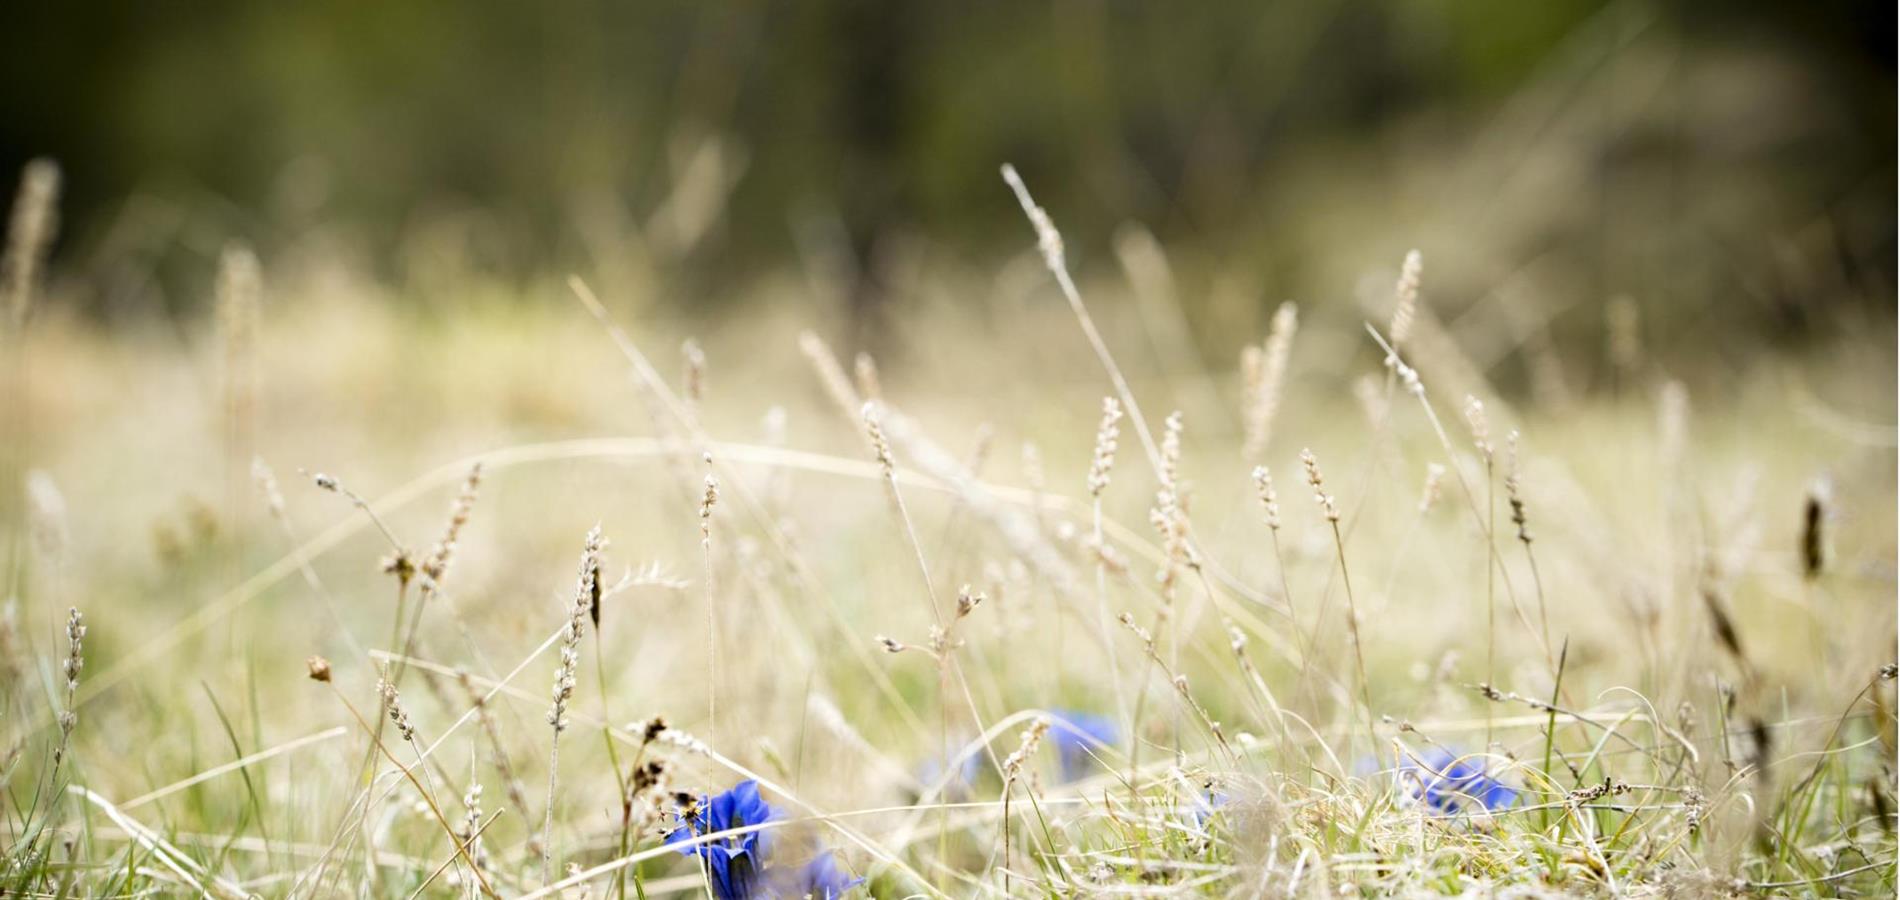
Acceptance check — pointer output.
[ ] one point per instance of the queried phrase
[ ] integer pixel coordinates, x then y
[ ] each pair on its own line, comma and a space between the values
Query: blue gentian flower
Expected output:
818, 879
1450, 784
1077, 735
735, 862
1205, 805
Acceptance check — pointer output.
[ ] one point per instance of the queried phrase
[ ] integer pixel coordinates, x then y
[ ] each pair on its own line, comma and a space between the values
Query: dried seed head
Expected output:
1170, 523
1407, 294
864, 368
1048, 240
1406, 374
649, 730
673, 737
29, 236
1480, 427
397, 714
586, 604
399, 564
324, 482
436, 564
1814, 518
706, 503
880, 446
1318, 481
891, 645
1258, 417
693, 379
470, 834
967, 601
75, 660
319, 668
75, 649
1142, 634
1434, 477
1106, 436
1171, 452
1512, 489
1031, 739
1269, 501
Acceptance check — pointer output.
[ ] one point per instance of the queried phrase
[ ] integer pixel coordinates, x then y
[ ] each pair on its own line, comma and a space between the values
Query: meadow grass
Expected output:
962, 643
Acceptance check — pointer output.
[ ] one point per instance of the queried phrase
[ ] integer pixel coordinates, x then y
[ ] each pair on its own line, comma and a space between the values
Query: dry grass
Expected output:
1663, 617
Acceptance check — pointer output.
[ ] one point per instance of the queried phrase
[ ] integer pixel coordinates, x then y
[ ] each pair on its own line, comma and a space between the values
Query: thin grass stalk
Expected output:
586, 600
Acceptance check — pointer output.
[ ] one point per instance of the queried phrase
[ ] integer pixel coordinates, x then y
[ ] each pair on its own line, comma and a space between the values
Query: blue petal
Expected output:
1445, 781
1076, 735
819, 878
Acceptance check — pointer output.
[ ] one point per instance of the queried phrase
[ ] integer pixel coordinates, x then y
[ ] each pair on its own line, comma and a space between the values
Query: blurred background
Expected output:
1727, 169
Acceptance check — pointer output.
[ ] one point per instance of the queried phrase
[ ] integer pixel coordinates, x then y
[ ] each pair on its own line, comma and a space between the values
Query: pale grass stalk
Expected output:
1330, 509
365, 798
1270, 513
1409, 377
706, 504
266, 481
947, 667
406, 729
1265, 404
586, 596
1012, 772
1049, 241
1101, 467
1405, 312
1237, 644
1481, 439
678, 739
1513, 490
238, 311
1180, 684
30, 232
179, 862
511, 783
234, 765
738, 491
320, 671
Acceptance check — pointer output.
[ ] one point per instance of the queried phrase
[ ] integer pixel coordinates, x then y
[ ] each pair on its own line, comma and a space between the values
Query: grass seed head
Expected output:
30, 234
1406, 293
1269, 501
1106, 436
1317, 481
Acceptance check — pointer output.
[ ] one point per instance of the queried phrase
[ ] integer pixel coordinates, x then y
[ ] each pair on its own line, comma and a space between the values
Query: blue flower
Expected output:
1205, 805
1447, 782
734, 862
1077, 735
819, 879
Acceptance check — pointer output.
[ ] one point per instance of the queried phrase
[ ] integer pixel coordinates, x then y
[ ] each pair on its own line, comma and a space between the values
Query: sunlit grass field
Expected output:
1319, 618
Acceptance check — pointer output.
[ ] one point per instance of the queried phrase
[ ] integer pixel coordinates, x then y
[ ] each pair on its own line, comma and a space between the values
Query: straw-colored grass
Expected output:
1663, 615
